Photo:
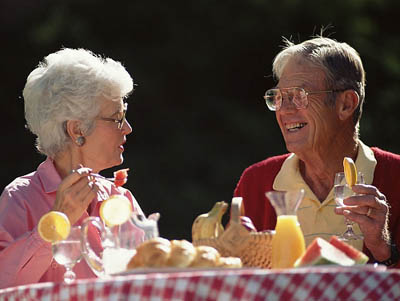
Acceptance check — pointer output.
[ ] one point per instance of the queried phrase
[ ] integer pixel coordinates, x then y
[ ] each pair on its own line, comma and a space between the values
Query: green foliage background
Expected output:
201, 69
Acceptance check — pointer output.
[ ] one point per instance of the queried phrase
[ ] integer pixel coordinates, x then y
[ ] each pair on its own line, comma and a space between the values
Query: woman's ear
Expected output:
347, 103
73, 129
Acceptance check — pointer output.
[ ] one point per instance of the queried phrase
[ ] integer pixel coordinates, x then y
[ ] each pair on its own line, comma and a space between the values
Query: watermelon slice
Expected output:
121, 177
321, 252
358, 256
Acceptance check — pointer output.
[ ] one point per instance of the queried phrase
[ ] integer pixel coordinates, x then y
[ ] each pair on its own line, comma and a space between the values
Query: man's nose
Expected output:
287, 103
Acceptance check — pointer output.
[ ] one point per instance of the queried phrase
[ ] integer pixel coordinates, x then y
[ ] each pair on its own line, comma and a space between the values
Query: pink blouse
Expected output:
24, 256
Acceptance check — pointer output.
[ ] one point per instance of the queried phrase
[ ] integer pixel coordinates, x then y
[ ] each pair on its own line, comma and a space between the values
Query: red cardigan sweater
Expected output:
259, 178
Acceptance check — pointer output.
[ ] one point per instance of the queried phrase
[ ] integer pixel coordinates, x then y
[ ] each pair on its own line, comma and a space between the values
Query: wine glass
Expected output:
67, 252
342, 190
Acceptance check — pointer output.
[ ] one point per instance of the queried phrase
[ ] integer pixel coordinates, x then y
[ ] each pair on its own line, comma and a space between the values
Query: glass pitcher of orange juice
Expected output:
288, 242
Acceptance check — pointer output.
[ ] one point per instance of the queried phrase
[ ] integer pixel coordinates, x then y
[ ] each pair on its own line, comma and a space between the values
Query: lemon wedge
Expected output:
116, 210
350, 171
54, 226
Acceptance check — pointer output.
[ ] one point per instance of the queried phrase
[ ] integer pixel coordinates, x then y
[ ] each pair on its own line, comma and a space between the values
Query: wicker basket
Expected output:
253, 248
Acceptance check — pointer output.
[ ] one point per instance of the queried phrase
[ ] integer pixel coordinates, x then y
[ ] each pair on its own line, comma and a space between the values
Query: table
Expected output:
322, 283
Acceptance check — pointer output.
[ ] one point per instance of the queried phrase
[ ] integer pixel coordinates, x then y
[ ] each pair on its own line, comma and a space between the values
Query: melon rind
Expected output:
321, 252
358, 256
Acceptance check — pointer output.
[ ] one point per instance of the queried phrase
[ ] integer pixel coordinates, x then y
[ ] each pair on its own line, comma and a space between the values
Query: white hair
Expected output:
70, 85
340, 62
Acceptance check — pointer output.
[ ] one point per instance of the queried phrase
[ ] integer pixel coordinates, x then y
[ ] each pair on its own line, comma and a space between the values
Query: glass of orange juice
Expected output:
288, 242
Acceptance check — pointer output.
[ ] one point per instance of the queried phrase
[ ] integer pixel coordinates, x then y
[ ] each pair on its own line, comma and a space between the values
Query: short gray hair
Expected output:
340, 62
68, 85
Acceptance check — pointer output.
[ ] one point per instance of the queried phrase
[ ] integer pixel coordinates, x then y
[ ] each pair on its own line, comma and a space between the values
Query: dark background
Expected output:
201, 68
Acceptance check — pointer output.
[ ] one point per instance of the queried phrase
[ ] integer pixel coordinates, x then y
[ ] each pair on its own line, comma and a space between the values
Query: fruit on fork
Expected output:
119, 179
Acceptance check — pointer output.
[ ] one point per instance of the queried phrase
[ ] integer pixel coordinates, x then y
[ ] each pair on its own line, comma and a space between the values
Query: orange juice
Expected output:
287, 243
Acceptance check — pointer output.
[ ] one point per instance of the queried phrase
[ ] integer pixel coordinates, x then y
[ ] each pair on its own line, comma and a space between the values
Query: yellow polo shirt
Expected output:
319, 219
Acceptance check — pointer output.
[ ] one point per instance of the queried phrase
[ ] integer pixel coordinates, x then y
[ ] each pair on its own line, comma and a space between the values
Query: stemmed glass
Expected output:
342, 191
67, 252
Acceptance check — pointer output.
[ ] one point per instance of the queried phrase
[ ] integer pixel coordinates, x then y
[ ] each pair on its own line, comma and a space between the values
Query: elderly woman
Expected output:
318, 104
74, 104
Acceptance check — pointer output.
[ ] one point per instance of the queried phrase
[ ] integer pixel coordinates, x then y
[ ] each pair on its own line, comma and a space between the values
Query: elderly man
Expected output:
318, 104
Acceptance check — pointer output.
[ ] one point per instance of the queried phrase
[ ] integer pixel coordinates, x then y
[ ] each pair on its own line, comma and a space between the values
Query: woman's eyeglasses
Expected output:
119, 122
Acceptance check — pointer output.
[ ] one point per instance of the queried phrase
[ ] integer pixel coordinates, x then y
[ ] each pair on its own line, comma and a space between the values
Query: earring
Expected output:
80, 141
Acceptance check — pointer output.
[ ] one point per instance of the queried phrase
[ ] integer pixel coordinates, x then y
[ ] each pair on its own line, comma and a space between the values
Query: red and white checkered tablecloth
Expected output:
324, 283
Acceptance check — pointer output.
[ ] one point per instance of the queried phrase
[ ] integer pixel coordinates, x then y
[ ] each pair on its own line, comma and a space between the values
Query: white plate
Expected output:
358, 267
365, 267
177, 270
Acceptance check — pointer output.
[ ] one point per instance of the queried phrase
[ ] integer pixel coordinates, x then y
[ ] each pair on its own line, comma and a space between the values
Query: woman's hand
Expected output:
75, 193
370, 211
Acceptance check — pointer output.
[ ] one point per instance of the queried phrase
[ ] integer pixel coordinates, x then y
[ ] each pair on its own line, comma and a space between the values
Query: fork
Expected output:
102, 177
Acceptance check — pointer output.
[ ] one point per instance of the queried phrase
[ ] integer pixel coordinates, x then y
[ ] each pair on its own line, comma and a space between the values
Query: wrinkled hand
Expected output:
370, 211
75, 193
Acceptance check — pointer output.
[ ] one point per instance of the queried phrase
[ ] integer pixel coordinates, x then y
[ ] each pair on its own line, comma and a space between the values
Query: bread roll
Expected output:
230, 262
205, 257
160, 252
135, 262
152, 253
182, 254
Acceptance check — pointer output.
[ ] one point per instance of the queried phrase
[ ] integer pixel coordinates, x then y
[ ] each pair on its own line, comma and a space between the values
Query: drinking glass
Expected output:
342, 191
67, 252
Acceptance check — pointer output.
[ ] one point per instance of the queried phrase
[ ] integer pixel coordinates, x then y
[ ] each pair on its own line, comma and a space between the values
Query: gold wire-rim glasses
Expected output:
297, 95
120, 121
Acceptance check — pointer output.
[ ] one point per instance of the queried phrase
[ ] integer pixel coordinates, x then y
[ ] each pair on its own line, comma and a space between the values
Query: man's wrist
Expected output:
394, 256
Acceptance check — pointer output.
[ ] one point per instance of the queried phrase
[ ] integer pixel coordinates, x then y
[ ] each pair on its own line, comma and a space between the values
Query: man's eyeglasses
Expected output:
298, 96
119, 122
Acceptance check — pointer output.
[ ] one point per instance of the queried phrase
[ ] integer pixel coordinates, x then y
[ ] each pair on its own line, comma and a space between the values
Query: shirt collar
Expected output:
289, 177
50, 180
48, 176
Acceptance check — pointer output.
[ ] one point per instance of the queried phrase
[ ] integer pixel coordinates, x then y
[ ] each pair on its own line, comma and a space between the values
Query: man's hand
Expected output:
370, 211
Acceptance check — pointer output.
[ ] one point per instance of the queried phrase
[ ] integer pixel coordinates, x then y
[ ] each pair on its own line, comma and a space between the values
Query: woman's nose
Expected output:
126, 127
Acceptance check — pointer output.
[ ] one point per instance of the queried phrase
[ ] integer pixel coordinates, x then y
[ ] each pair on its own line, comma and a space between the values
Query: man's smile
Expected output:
292, 127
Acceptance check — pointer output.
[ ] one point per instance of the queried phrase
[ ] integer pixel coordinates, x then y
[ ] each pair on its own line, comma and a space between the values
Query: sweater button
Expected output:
54, 265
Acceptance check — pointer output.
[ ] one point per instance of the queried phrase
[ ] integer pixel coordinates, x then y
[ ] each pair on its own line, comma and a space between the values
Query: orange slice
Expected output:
54, 226
350, 171
116, 210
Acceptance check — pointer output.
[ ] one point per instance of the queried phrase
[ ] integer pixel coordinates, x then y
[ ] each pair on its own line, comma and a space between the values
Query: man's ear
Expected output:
73, 129
347, 103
